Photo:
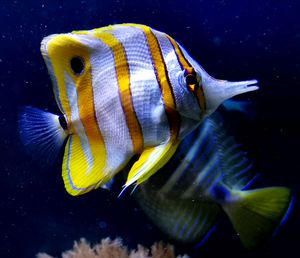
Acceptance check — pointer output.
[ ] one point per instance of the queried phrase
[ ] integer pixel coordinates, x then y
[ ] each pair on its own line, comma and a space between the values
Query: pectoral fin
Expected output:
150, 161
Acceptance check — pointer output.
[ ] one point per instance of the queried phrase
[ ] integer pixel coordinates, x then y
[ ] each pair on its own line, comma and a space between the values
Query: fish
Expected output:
208, 176
124, 90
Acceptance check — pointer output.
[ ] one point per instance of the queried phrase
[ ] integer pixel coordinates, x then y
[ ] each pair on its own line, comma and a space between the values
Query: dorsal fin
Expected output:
236, 166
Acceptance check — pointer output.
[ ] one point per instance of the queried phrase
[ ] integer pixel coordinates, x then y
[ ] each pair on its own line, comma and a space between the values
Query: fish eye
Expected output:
77, 65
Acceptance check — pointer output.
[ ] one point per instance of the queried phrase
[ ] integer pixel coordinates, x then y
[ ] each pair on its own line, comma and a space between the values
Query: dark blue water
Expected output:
233, 40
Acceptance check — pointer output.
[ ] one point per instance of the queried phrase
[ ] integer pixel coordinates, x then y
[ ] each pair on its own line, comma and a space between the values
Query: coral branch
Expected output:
115, 249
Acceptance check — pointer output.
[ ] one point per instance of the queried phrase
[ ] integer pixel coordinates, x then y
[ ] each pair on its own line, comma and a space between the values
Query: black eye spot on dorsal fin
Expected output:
77, 65
192, 79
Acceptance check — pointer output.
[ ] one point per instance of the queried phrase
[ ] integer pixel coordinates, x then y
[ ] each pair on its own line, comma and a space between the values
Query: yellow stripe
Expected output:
86, 104
185, 64
123, 77
163, 80
54, 54
61, 50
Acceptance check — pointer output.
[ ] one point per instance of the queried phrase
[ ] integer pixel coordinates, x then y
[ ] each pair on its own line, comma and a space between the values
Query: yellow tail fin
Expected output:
255, 214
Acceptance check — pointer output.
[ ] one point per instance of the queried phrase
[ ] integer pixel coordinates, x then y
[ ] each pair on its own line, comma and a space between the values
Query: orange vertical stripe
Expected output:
123, 77
186, 64
163, 80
